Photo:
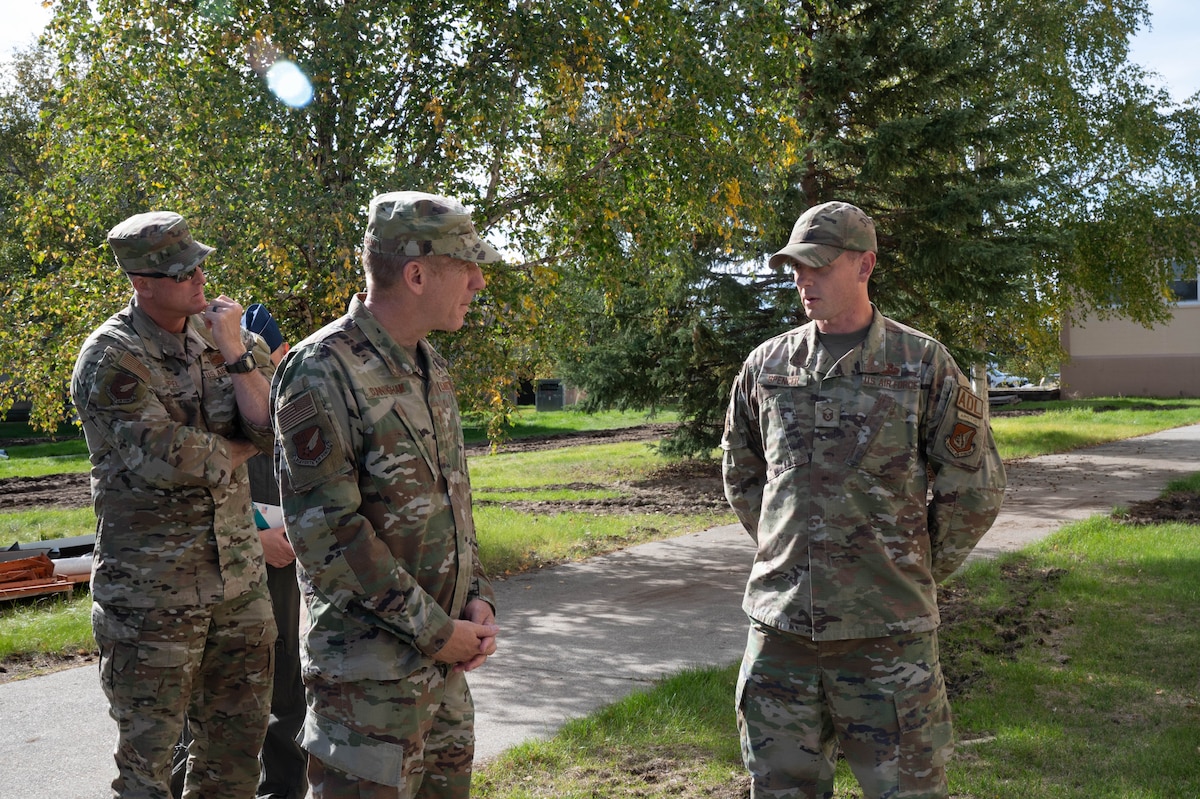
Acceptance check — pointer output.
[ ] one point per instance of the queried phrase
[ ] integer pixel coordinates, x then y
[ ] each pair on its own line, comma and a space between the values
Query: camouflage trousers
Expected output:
397, 739
882, 699
212, 663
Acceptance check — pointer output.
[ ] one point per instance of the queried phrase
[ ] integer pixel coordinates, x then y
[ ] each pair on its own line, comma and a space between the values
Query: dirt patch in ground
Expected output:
18, 667
645, 432
48, 491
1178, 506
74, 490
684, 487
970, 631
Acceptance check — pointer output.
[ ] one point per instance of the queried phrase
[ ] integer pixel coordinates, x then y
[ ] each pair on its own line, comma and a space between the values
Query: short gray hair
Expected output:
384, 269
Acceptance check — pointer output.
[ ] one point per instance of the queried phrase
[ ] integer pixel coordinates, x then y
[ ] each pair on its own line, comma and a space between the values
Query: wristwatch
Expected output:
242, 365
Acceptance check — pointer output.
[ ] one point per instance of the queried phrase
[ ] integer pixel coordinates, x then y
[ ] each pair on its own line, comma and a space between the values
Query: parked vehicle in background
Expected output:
998, 379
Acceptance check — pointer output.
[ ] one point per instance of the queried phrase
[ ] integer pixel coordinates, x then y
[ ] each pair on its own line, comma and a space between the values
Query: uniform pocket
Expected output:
788, 442
136, 667
352, 752
887, 442
312, 448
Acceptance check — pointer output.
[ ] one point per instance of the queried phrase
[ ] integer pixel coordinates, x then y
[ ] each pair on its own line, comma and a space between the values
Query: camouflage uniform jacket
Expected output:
376, 500
174, 524
828, 468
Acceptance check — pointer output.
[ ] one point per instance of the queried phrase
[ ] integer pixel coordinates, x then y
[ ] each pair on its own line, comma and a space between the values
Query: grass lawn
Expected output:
1076, 671
1064, 425
1072, 663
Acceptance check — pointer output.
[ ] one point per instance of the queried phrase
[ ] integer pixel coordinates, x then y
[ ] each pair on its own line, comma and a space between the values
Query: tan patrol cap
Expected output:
157, 241
824, 232
415, 223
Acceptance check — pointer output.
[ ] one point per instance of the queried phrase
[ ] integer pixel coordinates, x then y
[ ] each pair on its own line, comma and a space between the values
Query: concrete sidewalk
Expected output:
579, 636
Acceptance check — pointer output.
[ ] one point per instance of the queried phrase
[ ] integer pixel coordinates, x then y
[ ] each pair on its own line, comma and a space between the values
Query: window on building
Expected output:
1184, 285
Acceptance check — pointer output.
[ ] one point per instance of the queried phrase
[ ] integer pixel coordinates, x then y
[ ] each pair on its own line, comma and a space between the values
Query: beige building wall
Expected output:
1116, 357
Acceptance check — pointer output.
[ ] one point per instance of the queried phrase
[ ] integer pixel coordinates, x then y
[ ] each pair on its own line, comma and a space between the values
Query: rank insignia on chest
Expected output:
311, 445
828, 413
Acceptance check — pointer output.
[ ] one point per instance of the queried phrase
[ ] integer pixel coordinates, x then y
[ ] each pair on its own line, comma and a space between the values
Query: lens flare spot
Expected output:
289, 84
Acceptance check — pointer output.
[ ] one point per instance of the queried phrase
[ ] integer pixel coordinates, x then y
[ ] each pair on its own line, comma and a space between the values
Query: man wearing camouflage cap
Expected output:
173, 400
832, 432
377, 503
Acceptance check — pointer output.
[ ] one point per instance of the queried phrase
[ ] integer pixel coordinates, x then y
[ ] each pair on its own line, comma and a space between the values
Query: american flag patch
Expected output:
300, 409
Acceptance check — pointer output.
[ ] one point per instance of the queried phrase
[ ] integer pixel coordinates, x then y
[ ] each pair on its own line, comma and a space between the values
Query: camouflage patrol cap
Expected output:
824, 232
158, 241
415, 223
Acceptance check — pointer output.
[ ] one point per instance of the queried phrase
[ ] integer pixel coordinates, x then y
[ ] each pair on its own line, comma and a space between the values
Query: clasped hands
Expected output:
473, 639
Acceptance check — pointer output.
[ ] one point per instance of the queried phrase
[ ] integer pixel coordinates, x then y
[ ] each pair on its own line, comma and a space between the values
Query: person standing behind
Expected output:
173, 401
284, 762
377, 503
833, 432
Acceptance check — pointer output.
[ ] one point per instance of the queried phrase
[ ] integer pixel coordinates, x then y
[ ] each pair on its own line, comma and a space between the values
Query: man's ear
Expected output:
143, 286
415, 275
866, 266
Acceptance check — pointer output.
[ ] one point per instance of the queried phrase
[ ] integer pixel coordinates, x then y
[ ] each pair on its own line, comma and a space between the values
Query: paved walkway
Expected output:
579, 636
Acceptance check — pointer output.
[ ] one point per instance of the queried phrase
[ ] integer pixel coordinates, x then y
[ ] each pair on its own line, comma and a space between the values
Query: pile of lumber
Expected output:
45, 567
30, 576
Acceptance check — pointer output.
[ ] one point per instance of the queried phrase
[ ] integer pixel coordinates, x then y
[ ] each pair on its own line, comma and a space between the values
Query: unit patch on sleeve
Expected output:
962, 440
122, 388
123, 379
311, 446
308, 439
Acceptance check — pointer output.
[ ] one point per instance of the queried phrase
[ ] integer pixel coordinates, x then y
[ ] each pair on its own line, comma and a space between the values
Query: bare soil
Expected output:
74, 490
684, 487
48, 491
1180, 506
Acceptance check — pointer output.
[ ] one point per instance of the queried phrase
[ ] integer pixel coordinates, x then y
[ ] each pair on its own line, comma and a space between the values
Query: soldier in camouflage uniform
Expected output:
173, 399
834, 432
377, 504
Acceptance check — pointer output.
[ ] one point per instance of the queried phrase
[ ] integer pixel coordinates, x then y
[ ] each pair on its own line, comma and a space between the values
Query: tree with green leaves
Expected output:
1015, 166
639, 159
521, 111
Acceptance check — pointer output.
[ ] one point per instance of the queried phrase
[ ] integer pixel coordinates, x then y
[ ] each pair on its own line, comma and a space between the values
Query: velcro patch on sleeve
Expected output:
131, 364
970, 403
962, 434
311, 447
122, 388
301, 409
963, 440
121, 380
